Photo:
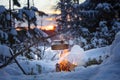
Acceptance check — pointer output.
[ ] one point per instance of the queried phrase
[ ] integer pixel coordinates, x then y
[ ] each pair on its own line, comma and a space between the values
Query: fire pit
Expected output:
65, 65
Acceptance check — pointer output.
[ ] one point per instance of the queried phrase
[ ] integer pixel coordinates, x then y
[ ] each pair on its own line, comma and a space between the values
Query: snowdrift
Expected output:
108, 70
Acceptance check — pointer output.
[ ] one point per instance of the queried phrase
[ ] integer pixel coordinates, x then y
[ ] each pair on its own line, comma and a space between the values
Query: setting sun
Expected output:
49, 27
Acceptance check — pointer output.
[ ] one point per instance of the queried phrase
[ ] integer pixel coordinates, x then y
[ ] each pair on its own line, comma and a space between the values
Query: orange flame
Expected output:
64, 64
64, 53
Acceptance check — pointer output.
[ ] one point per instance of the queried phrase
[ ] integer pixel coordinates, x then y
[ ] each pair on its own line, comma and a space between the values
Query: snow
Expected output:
3, 35
104, 6
108, 70
28, 34
13, 32
76, 55
70, 42
96, 53
116, 41
102, 23
84, 29
116, 26
51, 54
11, 70
75, 5
32, 49
83, 40
34, 8
8, 17
2, 9
5, 51
41, 33
20, 14
16, 39
29, 13
34, 56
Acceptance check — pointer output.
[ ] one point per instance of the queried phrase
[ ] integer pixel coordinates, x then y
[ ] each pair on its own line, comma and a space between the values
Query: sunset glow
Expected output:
54, 12
21, 28
49, 27
50, 19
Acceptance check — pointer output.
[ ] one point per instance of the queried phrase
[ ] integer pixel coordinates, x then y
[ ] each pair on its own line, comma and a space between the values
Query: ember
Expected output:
65, 65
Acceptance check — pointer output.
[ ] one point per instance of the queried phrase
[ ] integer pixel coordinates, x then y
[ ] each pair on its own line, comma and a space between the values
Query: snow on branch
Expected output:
24, 50
2, 9
88, 14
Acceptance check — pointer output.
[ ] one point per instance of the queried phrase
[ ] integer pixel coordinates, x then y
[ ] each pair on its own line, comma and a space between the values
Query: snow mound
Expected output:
114, 50
51, 54
109, 69
76, 55
5, 51
115, 42
96, 53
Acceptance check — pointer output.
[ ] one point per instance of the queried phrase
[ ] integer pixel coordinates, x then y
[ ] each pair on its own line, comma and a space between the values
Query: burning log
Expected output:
65, 65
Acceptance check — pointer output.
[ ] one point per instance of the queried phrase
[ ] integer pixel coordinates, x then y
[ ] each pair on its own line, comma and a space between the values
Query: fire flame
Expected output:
64, 64
64, 53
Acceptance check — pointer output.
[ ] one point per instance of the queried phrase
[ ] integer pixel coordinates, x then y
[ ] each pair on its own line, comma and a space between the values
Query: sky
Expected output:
43, 5
46, 5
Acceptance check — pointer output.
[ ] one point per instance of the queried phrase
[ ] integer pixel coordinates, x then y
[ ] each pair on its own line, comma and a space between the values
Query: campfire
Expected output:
64, 64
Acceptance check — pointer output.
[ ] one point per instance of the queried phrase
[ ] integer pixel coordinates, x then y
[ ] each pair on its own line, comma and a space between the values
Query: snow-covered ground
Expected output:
108, 70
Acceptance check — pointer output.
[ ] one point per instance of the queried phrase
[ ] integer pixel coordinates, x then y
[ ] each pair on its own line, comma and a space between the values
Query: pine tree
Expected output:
106, 10
99, 16
93, 19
